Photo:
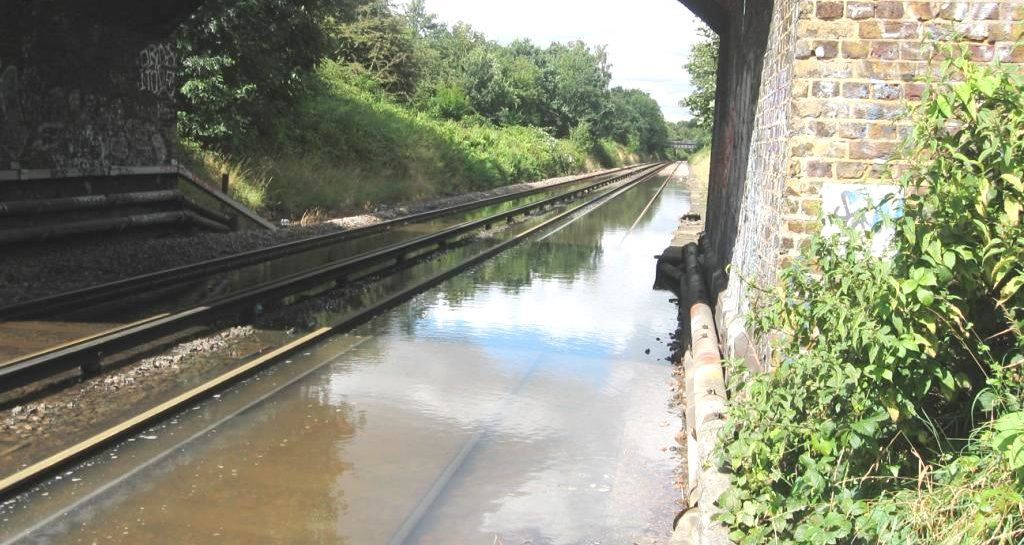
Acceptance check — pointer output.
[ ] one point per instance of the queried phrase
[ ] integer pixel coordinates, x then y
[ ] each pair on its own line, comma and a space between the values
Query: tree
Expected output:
244, 58
423, 23
635, 119
576, 84
688, 130
703, 69
383, 44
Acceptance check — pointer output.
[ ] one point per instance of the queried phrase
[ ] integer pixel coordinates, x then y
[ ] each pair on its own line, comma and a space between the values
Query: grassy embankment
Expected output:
347, 148
700, 165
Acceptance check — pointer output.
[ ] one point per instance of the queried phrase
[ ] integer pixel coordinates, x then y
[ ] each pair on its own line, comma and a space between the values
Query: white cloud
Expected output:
648, 40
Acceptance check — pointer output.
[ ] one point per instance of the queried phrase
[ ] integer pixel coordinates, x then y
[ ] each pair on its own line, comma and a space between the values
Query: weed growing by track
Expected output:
894, 414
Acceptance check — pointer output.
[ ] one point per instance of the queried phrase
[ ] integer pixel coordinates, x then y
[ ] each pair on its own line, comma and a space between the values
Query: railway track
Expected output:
31, 327
59, 359
45, 307
88, 352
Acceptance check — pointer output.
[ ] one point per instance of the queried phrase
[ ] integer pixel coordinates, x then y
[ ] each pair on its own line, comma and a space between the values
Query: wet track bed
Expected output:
104, 315
515, 402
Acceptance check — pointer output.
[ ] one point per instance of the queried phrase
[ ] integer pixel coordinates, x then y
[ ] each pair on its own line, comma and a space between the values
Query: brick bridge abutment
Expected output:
810, 102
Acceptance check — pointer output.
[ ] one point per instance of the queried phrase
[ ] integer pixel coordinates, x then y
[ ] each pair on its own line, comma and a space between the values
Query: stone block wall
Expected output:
828, 103
86, 86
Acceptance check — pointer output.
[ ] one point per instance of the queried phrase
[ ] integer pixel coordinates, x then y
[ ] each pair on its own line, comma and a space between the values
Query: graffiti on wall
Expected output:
13, 130
50, 126
863, 207
158, 70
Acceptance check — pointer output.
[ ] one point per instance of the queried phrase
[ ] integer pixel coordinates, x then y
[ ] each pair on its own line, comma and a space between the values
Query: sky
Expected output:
648, 40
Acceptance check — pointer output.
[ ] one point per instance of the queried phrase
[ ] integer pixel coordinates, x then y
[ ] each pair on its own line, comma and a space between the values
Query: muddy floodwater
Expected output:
525, 401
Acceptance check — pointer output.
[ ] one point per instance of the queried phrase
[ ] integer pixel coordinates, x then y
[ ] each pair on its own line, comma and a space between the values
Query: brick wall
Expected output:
856, 66
822, 106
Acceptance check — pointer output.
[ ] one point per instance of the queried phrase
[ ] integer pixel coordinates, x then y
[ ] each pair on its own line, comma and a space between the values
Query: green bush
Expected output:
893, 414
347, 146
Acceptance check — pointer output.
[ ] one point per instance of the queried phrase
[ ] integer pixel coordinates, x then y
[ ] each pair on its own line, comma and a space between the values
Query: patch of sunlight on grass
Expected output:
248, 184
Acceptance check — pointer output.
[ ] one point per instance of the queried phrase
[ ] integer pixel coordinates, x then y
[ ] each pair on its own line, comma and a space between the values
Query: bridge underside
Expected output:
714, 13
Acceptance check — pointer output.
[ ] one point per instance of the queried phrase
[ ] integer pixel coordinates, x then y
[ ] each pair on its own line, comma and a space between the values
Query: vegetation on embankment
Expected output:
894, 413
700, 166
345, 104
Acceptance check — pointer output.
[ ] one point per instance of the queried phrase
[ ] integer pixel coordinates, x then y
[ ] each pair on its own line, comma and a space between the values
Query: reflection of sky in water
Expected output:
547, 383
598, 315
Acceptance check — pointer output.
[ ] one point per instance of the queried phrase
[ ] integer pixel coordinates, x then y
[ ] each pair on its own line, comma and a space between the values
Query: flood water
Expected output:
527, 400
96, 318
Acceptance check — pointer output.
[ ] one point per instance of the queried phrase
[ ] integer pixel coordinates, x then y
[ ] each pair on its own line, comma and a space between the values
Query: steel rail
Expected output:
355, 261
87, 352
82, 298
34, 473
650, 203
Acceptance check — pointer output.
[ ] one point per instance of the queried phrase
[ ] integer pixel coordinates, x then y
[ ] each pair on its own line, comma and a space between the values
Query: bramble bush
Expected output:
893, 413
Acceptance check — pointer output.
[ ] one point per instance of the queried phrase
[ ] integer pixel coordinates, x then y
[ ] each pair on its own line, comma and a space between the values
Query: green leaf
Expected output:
865, 428
927, 278
815, 480
943, 104
988, 85
987, 400
1012, 209
947, 380
1013, 180
1010, 289
949, 259
1009, 438
926, 297
963, 92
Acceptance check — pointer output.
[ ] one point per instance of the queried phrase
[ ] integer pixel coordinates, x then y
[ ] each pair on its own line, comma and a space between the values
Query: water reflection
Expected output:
524, 401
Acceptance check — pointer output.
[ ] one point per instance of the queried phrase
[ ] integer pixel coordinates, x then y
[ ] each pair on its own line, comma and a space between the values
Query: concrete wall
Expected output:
86, 85
813, 108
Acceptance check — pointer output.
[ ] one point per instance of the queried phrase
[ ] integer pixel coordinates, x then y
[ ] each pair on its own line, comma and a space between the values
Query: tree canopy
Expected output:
702, 66
245, 58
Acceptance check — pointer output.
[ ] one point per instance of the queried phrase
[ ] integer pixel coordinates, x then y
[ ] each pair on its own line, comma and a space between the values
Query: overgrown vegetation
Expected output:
347, 103
894, 411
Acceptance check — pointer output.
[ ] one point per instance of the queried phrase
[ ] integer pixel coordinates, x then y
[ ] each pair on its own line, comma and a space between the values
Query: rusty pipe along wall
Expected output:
705, 406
